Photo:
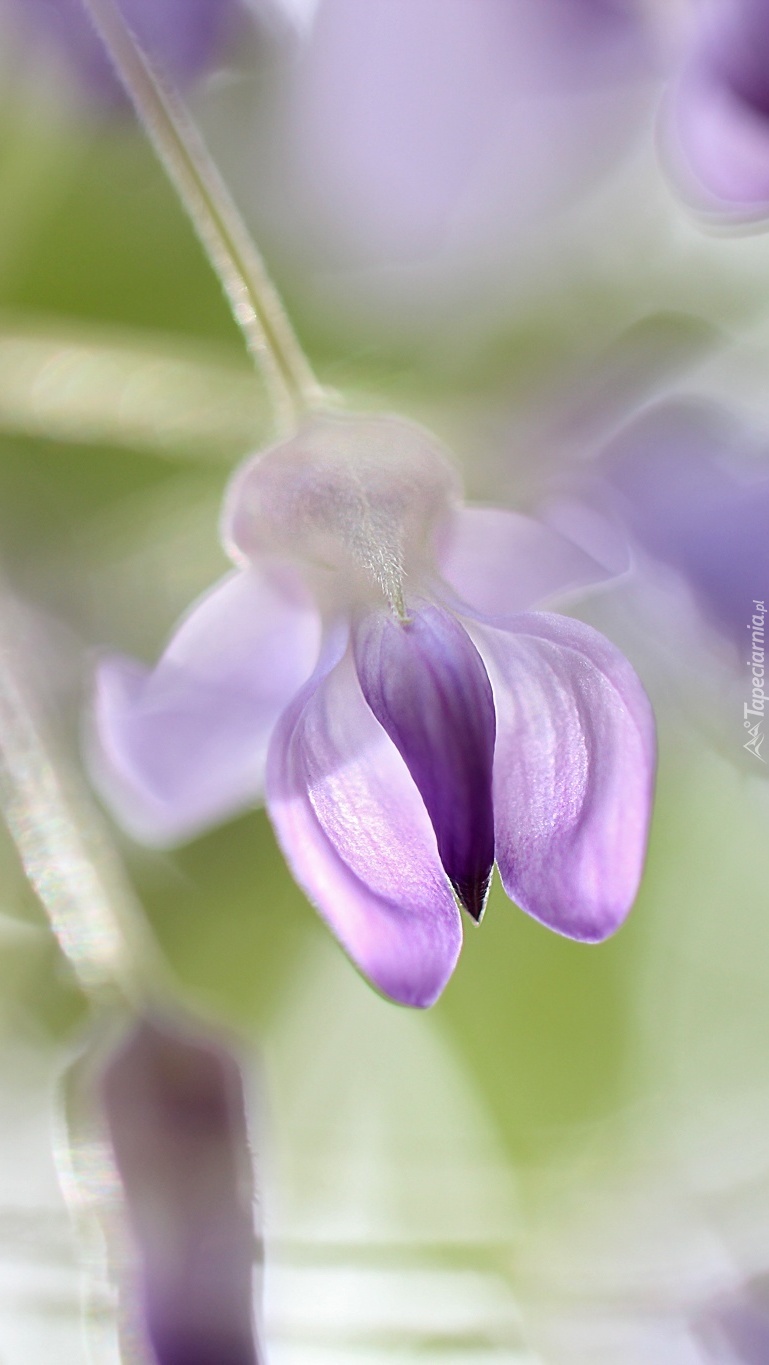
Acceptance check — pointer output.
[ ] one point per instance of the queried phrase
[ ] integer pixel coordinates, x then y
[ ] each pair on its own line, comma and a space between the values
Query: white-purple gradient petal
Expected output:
718, 114
358, 839
426, 684
183, 746
720, 149
423, 130
499, 563
573, 772
364, 495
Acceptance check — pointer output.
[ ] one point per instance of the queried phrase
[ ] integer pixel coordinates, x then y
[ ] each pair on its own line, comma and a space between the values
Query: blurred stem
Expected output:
65, 850
255, 303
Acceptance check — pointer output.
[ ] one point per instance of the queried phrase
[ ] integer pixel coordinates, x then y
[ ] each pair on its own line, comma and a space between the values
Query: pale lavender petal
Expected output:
184, 746
425, 683
358, 839
362, 495
573, 772
718, 115
184, 37
719, 149
499, 563
734, 1329
175, 1112
421, 126
686, 480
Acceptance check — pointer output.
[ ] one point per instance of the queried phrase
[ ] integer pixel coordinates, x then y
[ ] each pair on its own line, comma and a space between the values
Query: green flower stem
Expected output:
65, 850
254, 301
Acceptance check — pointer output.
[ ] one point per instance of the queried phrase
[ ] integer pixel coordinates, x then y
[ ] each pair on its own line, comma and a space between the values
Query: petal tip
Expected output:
473, 894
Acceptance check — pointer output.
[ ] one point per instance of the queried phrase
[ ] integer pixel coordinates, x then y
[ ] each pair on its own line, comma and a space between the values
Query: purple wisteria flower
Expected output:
175, 1113
691, 485
185, 36
718, 113
424, 135
374, 671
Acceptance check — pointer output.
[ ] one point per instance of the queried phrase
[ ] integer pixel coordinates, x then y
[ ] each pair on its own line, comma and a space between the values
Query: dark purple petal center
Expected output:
741, 53
426, 684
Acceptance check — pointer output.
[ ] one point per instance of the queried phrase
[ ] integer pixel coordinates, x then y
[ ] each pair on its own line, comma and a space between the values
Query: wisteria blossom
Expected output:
175, 1114
717, 122
373, 670
690, 483
422, 137
185, 36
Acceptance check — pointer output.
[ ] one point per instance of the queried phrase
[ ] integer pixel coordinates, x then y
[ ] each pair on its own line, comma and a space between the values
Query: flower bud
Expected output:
175, 1113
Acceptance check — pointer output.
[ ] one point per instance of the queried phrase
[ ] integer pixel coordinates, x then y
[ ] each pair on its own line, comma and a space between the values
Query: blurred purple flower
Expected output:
184, 36
735, 1331
688, 483
718, 116
425, 133
374, 669
175, 1112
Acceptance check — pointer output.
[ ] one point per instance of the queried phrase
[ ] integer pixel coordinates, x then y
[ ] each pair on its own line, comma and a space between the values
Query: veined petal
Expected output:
500, 562
358, 496
358, 839
183, 746
425, 683
573, 772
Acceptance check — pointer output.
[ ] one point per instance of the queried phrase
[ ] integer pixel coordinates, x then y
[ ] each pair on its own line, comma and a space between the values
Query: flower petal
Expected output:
184, 745
186, 37
500, 562
175, 1109
717, 124
573, 772
362, 496
358, 839
719, 147
686, 479
425, 683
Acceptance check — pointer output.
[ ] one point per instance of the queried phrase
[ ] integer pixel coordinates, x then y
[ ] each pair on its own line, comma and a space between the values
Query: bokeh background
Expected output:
567, 1159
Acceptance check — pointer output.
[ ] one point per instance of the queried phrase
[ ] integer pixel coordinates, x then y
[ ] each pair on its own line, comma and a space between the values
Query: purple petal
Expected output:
573, 772
736, 1328
683, 477
719, 111
184, 745
175, 1112
358, 839
421, 127
425, 683
183, 36
499, 563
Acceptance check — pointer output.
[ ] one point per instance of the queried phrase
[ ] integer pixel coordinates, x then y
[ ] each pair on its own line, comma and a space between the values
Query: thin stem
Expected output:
255, 303
64, 851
